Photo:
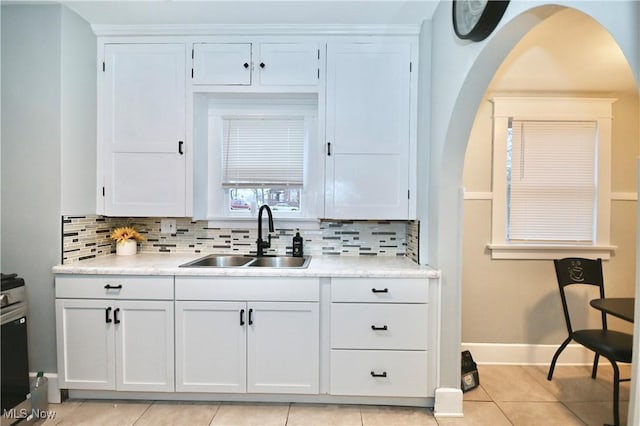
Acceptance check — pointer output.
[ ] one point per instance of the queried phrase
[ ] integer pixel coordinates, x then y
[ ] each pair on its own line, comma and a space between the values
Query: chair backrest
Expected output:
576, 270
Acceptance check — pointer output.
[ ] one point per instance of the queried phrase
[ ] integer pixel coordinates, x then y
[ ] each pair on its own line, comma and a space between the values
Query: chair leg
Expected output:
594, 372
555, 357
616, 393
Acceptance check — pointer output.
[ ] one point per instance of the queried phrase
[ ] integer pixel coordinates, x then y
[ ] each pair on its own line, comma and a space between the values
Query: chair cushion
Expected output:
611, 344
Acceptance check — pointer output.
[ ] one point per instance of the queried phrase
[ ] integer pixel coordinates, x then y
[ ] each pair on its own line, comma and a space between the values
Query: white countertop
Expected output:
320, 266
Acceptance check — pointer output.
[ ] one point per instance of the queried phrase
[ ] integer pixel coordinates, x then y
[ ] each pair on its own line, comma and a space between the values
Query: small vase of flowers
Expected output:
127, 239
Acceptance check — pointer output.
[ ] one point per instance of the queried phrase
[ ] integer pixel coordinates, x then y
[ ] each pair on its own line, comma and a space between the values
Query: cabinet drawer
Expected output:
375, 290
248, 288
114, 287
378, 326
397, 373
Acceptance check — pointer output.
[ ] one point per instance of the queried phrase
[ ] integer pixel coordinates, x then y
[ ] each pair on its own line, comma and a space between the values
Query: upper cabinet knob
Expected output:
262, 65
246, 65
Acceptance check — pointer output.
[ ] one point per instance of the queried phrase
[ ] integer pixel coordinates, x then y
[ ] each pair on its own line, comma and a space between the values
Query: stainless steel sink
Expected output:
281, 262
226, 261
218, 261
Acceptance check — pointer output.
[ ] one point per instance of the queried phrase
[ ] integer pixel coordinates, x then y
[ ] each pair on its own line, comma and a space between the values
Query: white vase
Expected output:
126, 248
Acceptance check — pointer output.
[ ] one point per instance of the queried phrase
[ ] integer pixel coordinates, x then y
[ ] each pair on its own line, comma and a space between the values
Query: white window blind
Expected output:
263, 151
552, 181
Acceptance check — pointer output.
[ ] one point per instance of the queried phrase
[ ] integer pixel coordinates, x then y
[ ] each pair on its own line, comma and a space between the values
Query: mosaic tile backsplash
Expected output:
87, 237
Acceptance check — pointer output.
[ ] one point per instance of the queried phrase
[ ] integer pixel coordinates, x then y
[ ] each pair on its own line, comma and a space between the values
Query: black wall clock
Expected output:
476, 19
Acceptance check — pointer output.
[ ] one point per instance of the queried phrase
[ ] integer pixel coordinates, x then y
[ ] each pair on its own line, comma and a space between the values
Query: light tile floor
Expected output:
508, 395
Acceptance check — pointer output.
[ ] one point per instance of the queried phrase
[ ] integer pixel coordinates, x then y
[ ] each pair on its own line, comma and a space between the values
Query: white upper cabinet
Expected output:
256, 64
141, 130
370, 142
222, 63
289, 64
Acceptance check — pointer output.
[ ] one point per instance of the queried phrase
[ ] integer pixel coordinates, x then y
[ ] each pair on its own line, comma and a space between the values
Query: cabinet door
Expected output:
288, 64
85, 339
283, 348
368, 129
211, 346
141, 121
144, 345
222, 63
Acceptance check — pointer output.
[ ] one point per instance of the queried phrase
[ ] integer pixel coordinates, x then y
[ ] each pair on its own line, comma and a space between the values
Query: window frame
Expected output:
552, 109
262, 105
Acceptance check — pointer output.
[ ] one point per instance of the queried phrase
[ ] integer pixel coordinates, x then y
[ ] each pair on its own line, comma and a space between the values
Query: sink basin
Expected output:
227, 261
281, 262
218, 261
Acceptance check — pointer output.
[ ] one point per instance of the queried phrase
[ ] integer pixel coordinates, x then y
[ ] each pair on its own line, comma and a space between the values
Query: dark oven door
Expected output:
15, 362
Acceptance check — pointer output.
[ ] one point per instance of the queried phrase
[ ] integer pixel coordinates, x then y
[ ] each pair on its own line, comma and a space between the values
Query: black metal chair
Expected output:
613, 345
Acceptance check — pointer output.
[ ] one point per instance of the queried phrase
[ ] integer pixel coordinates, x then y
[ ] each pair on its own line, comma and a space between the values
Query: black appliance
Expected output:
14, 360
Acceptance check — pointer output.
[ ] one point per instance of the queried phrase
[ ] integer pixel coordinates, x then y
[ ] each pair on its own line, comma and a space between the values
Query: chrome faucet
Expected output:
264, 244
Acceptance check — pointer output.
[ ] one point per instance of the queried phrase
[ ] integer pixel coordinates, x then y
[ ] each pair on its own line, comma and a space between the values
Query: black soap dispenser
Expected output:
297, 245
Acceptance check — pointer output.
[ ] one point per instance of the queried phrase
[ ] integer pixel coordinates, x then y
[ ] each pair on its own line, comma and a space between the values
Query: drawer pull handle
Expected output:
384, 290
115, 316
384, 327
113, 287
107, 313
374, 374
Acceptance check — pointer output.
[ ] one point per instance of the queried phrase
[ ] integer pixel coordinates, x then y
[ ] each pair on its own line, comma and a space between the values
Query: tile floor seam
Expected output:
573, 412
218, 404
503, 413
286, 421
142, 414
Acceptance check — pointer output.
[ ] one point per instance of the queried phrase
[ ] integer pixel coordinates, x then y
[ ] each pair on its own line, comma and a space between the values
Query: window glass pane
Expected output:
283, 199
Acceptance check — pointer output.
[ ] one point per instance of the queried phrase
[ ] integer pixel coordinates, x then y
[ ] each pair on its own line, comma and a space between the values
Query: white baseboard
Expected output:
526, 354
448, 403
53, 391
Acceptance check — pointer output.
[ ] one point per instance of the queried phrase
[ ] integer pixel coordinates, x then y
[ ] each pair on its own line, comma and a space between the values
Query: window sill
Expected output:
252, 223
549, 251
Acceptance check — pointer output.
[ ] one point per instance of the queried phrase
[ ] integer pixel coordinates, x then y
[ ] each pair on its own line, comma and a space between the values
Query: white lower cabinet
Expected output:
379, 337
110, 344
242, 345
253, 335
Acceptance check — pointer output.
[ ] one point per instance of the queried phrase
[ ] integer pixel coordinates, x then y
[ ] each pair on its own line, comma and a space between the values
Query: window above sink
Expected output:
255, 149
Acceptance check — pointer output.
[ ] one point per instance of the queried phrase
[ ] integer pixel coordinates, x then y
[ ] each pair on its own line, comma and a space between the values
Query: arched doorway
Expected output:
460, 74
556, 59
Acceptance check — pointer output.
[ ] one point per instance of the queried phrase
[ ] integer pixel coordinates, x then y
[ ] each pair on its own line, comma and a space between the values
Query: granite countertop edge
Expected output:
319, 267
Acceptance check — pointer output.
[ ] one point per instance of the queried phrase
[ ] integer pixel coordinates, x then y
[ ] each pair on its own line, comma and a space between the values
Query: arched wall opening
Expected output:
459, 75
568, 55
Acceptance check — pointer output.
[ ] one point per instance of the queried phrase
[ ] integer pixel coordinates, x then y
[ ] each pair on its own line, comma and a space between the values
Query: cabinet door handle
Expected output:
374, 374
250, 316
113, 287
107, 316
241, 316
262, 65
115, 316
329, 149
384, 290
180, 144
384, 327
245, 65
